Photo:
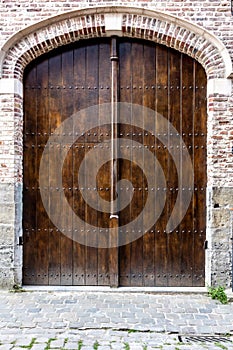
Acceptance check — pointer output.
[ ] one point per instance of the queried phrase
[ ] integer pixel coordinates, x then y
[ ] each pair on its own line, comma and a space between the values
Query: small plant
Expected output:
49, 343
218, 293
96, 345
16, 289
80, 344
30, 345
126, 346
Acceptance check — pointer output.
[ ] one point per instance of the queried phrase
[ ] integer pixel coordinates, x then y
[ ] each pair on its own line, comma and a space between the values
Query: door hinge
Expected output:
206, 245
20, 240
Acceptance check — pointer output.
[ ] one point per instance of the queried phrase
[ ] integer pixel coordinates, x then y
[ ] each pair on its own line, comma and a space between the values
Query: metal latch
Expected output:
20, 240
206, 245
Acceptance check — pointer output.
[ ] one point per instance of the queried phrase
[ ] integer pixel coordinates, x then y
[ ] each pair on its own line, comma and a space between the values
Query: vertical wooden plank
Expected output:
55, 80
161, 256
103, 180
149, 143
137, 87
124, 166
42, 127
174, 238
79, 250
104, 254
67, 88
29, 170
200, 175
92, 61
186, 226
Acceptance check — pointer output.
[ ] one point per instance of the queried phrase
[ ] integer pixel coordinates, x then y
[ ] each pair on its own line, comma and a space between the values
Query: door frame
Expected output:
25, 46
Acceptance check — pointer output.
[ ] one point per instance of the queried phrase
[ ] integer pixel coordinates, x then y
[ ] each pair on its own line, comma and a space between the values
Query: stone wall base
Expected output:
219, 235
7, 279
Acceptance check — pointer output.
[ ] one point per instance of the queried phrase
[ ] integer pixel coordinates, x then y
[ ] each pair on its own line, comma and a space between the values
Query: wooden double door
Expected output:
88, 73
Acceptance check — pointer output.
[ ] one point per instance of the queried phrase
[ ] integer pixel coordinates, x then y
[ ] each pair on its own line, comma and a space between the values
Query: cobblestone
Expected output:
111, 321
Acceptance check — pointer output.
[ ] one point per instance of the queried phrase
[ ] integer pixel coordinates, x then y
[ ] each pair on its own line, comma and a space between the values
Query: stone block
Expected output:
221, 239
221, 266
6, 277
18, 275
221, 218
222, 197
7, 213
6, 234
6, 256
6, 193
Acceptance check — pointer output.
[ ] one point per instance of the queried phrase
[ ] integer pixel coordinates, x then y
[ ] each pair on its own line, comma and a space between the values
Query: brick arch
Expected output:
130, 22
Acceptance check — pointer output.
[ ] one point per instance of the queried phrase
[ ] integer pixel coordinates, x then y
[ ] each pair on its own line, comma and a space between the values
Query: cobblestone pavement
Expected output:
104, 321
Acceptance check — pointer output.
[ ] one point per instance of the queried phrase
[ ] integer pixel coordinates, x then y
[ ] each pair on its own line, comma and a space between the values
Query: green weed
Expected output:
96, 345
30, 345
80, 344
49, 343
218, 293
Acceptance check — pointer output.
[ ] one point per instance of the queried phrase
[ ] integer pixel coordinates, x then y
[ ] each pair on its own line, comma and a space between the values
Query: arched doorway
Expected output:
78, 76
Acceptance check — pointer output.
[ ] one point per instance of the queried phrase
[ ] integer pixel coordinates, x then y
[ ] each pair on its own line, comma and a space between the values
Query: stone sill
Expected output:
115, 290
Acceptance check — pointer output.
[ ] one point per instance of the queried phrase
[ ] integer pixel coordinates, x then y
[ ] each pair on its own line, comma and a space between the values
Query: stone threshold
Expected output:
105, 289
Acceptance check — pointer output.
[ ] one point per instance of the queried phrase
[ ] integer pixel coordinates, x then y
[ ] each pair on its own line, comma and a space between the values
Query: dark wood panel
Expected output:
164, 81
67, 109
200, 174
59, 85
175, 118
78, 76
161, 244
186, 226
29, 192
136, 78
42, 126
124, 167
55, 119
149, 101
